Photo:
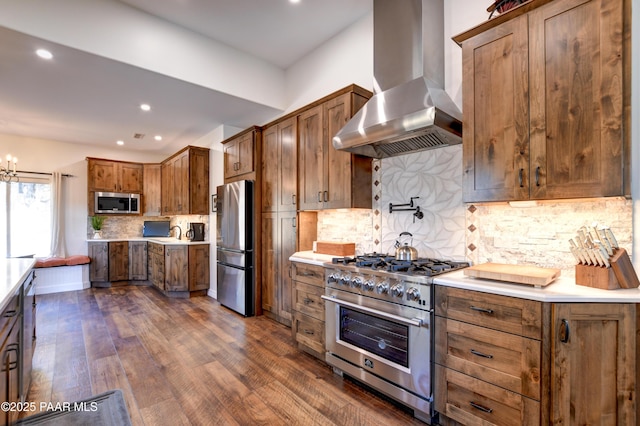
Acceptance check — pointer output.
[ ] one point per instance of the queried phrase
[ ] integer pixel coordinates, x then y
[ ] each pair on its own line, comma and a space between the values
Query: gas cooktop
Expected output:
383, 262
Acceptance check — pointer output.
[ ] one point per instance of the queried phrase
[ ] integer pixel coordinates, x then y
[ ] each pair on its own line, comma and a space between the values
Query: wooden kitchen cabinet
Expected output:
199, 271
280, 166
545, 101
99, 265
279, 242
118, 261
151, 195
114, 176
593, 372
488, 358
179, 270
176, 267
504, 360
138, 260
239, 154
308, 328
328, 178
156, 264
185, 182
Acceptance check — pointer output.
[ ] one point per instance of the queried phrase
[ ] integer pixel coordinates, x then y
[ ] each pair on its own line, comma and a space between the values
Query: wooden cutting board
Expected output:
520, 274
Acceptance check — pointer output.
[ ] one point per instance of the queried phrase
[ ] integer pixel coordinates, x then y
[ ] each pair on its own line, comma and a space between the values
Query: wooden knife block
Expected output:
620, 275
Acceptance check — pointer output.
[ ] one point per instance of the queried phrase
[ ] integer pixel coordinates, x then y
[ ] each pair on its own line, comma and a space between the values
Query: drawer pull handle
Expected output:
483, 310
473, 351
520, 178
309, 332
11, 313
480, 407
307, 301
564, 331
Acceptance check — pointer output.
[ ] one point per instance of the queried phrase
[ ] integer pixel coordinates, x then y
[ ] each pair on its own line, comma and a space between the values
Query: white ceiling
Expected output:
84, 98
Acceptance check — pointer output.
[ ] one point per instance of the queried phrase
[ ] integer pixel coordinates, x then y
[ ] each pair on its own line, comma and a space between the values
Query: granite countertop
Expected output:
158, 240
13, 273
563, 289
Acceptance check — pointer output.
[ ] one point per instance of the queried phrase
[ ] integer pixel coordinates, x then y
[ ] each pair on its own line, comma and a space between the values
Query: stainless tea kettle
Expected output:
405, 252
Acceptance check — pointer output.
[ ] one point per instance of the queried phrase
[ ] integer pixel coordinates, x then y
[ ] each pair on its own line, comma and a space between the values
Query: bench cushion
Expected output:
50, 262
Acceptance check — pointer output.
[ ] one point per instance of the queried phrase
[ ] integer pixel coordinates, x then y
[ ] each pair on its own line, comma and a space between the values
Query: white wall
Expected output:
345, 59
39, 155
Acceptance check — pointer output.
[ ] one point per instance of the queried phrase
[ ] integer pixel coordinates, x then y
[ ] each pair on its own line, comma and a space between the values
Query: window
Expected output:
25, 219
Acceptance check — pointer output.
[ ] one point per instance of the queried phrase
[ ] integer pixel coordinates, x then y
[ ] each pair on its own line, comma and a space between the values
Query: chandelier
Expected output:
6, 173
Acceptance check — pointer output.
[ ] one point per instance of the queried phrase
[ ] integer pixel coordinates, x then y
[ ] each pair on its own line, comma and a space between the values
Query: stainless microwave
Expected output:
114, 202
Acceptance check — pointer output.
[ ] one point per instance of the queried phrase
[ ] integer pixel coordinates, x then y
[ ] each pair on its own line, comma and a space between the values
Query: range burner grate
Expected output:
385, 262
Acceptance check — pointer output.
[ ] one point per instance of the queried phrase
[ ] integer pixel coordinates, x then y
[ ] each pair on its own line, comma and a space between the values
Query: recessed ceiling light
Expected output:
44, 54
145, 107
120, 142
158, 137
294, 1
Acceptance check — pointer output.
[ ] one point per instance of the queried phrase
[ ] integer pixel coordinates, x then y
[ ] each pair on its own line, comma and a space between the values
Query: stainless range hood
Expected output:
410, 111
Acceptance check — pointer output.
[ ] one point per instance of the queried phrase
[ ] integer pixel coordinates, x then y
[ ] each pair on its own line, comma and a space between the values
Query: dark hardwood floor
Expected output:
189, 361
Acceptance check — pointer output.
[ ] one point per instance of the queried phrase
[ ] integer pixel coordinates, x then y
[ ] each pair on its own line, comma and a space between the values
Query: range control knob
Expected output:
382, 288
397, 290
369, 284
413, 294
333, 277
345, 279
356, 282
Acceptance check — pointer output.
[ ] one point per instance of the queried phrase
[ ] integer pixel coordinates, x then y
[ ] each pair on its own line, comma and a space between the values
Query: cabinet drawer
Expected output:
473, 402
310, 274
309, 331
508, 314
503, 359
9, 316
307, 300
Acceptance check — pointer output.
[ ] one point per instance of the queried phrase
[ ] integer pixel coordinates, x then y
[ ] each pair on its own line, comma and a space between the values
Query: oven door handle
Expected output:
416, 322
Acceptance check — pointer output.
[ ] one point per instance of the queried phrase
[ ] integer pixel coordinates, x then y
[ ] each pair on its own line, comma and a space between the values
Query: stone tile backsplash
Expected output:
451, 229
131, 226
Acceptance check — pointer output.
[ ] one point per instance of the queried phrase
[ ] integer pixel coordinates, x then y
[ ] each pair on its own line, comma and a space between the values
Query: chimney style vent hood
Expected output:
410, 111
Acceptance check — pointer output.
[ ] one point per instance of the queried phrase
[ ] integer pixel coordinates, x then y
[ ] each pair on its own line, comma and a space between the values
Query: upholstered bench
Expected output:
58, 274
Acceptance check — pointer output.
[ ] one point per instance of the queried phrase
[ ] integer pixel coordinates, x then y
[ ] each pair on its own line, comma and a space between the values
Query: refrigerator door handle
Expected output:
233, 250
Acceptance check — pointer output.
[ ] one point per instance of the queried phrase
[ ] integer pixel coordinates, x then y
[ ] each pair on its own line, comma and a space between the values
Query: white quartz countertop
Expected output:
563, 289
13, 273
311, 258
158, 240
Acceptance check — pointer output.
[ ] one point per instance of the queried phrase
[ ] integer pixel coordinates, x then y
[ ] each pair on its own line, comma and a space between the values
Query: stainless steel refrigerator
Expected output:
235, 247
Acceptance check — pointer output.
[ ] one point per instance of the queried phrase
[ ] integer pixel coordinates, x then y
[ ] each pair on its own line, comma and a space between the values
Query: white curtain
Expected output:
58, 248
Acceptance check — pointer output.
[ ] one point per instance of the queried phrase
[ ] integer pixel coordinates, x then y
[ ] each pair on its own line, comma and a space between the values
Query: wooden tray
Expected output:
336, 249
520, 274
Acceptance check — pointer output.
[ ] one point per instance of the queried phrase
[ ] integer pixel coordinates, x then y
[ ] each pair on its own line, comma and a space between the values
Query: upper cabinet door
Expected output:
311, 159
495, 93
576, 77
337, 188
288, 164
546, 98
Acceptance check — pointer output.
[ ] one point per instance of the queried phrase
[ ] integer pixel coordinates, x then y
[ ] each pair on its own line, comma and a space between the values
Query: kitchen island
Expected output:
17, 332
13, 272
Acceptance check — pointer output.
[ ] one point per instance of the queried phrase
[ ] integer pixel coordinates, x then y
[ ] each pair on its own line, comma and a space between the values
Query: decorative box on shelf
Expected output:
620, 274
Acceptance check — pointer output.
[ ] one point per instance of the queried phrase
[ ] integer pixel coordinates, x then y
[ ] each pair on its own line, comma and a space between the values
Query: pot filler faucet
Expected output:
179, 231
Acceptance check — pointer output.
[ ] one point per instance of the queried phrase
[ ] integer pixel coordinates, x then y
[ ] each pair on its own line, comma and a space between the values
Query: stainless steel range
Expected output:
378, 324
